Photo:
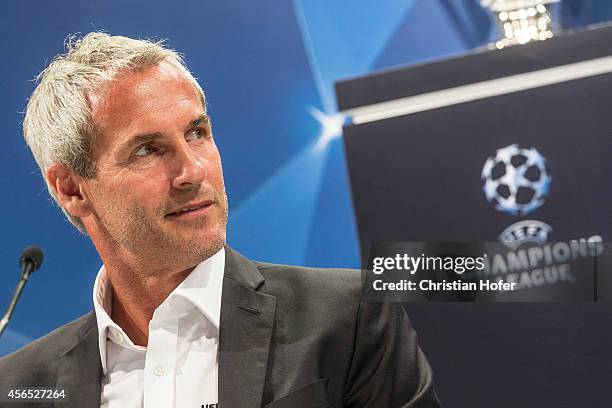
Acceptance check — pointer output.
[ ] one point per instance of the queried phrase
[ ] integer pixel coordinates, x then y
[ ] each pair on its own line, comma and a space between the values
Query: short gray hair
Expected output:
58, 125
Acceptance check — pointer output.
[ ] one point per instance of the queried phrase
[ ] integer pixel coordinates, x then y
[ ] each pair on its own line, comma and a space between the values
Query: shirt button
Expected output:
159, 371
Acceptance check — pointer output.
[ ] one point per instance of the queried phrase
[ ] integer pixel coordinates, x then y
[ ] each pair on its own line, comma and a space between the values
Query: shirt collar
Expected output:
202, 288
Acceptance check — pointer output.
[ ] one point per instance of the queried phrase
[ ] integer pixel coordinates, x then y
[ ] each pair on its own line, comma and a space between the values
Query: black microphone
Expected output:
30, 260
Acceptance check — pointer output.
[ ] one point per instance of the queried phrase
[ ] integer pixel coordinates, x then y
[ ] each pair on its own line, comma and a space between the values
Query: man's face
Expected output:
155, 157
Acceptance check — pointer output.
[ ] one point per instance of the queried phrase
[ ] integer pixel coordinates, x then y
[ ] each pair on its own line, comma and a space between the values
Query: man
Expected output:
120, 130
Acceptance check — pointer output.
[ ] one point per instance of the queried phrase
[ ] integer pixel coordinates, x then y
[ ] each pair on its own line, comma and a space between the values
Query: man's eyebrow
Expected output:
139, 139
203, 118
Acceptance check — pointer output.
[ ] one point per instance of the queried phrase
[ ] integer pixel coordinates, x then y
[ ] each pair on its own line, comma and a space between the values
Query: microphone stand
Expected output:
25, 274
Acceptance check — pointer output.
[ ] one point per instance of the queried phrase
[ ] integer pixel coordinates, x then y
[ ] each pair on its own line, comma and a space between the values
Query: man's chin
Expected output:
199, 246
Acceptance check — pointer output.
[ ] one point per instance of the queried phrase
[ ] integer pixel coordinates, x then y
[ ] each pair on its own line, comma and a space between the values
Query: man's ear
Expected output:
68, 188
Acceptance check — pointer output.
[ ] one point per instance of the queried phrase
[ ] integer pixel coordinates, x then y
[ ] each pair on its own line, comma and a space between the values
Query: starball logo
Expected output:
516, 180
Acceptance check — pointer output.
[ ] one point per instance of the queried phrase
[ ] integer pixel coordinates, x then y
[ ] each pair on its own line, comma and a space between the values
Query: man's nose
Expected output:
192, 168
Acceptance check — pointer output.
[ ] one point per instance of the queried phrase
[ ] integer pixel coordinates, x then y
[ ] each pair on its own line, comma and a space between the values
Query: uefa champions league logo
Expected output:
516, 180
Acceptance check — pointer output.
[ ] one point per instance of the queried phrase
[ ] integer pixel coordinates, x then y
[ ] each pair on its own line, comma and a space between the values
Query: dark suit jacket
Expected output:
290, 337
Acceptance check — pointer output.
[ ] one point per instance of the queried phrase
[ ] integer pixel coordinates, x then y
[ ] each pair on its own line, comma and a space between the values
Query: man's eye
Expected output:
145, 150
196, 134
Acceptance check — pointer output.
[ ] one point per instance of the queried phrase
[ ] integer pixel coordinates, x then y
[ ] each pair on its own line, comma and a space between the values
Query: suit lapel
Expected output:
80, 370
247, 319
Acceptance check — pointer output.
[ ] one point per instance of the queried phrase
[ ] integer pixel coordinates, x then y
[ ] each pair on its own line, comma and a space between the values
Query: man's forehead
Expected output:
137, 83
134, 92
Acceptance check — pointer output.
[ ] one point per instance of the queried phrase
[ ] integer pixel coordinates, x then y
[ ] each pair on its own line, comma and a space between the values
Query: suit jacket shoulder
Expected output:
314, 288
36, 364
325, 331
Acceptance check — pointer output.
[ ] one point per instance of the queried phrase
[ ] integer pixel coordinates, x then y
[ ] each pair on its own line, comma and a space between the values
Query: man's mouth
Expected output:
192, 209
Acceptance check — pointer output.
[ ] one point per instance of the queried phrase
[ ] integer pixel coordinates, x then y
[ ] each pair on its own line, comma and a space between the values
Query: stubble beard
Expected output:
135, 232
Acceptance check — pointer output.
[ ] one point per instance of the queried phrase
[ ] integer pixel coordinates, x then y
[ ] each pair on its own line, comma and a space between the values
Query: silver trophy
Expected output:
521, 21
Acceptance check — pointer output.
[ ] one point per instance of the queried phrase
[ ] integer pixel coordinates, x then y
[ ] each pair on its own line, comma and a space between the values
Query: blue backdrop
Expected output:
268, 69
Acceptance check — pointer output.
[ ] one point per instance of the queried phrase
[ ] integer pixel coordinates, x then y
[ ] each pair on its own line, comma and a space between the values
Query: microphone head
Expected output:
33, 255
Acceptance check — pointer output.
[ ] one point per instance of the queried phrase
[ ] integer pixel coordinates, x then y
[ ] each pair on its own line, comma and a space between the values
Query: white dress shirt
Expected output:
179, 366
